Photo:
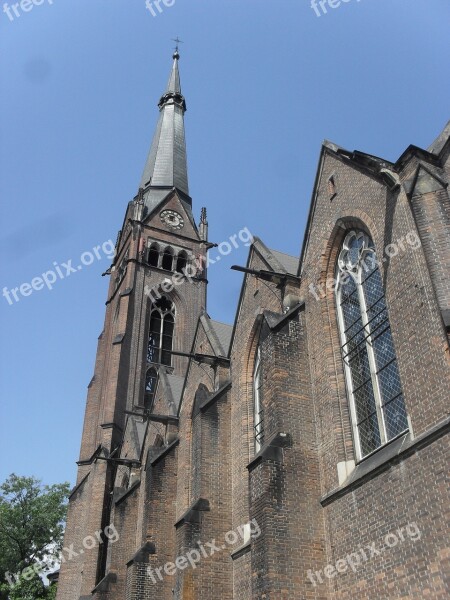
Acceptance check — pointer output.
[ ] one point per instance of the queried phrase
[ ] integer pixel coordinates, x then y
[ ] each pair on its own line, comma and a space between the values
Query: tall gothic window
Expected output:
162, 324
151, 380
376, 399
257, 402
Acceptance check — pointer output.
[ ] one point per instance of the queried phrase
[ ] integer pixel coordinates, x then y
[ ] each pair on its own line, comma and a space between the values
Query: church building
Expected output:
300, 452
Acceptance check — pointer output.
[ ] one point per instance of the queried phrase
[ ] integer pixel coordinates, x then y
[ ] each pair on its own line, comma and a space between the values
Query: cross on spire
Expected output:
178, 41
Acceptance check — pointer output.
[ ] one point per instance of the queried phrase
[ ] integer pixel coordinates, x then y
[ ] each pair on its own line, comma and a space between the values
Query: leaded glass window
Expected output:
373, 381
257, 404
151, 379
162, 324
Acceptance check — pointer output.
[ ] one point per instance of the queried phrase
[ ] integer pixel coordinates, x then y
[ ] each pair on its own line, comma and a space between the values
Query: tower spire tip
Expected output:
176, 54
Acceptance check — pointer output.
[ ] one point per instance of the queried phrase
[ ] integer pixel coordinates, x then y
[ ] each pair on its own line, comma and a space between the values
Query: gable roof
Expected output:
175, 384
440, 141
219, 337
279, 262
289, 263
172, 390
218, 334
223, 332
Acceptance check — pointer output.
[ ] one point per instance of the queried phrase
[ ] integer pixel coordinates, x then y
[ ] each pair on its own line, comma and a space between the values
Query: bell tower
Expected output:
156, 294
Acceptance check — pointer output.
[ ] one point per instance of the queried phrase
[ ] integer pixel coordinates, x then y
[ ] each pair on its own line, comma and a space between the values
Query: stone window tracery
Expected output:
373, 381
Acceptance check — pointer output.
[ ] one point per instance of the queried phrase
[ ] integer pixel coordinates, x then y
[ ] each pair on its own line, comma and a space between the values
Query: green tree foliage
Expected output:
32, 520
33, 589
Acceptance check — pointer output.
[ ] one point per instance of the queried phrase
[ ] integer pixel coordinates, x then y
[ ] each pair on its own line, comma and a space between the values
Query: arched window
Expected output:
153, 255
167, 259
181, 262
151, 380
162, 324
376, 399
258, 412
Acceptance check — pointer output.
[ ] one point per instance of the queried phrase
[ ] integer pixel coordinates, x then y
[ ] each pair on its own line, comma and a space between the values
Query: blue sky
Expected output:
265, 82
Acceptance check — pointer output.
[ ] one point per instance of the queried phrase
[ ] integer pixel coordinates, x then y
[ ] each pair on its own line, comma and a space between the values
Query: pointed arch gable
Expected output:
172, 200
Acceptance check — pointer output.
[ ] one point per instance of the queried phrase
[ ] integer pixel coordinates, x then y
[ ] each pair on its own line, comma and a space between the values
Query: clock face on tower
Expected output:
172, 219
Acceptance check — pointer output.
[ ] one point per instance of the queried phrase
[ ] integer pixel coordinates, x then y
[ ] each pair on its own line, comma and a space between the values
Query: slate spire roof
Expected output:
166, 165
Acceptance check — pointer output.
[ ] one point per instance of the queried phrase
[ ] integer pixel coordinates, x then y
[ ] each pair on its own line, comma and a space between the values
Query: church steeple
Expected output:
166, 165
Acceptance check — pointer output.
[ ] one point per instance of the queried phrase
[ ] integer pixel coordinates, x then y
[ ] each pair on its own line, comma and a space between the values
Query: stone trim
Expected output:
105, 583
382, 460
112, 426
165, 451
127, 492
272, 450
118, 339
275, 320
142, 554
215, 396
165, 419
77, 487
192, 515
446, 318
90, 460
244, 549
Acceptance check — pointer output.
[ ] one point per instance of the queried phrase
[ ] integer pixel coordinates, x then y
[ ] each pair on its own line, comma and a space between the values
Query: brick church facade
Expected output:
301, 452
